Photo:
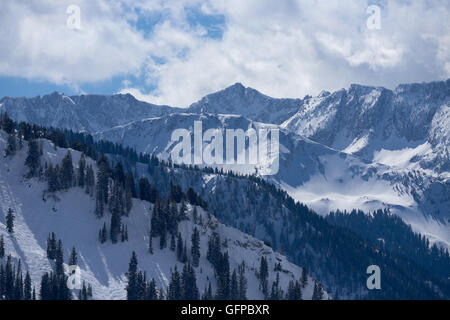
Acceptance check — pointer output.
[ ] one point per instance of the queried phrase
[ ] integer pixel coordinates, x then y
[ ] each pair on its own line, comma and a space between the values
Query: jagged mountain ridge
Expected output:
89, 113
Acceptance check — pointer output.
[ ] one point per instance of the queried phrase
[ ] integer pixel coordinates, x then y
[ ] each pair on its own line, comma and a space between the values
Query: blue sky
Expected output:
175, 52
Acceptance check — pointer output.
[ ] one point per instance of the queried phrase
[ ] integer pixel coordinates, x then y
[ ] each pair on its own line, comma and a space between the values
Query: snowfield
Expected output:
71, 216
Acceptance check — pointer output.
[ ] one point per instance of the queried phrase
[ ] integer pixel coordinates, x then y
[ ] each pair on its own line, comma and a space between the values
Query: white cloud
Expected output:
37, 43
293, 48
283, 48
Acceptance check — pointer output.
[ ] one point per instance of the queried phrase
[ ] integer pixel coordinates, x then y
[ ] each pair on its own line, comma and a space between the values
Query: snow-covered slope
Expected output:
71, 216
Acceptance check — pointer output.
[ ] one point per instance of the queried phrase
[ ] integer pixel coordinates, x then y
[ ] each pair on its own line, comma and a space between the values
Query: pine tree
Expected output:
151, 291
317, 292
10, 221
67, 171
294, 291
9, 279
33, 158
103, 234
304, 279
173, 245
234, 291
11, 145
59, 259
276, 293
2, 248
90, 180
207, 294
18, 285
150, 244
242, 282
263, 276
189, 283
73, 259
180, 247
175, 288
195, 248
116, 213
132, 286
81, 173
27, 294
52, 178
223, 278
83, 295
51, 246
102, 188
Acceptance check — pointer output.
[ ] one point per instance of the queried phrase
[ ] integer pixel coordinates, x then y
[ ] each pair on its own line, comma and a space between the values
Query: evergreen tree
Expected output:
83, 294
27, 294
264, 276
276, 293
18, 285
11, 145
33, 158
195, 248
129, 183
207, 294
214, 254
223, 278
116, 213
52, 178
59, 259
73, 259
90, 181
67, 171
304, 279
150, 244
2, 247
242, 282
10, 221
81, 172
317, 292
103, 234
294, 291
175, 288
132, 286
102, 188
189, 283
51, 246
180, 247
173, 245
234, 291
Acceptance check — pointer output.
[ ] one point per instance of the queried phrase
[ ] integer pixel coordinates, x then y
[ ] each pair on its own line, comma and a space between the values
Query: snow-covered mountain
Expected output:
70, 214
88, 113
247, 102
364, 147
407, 127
